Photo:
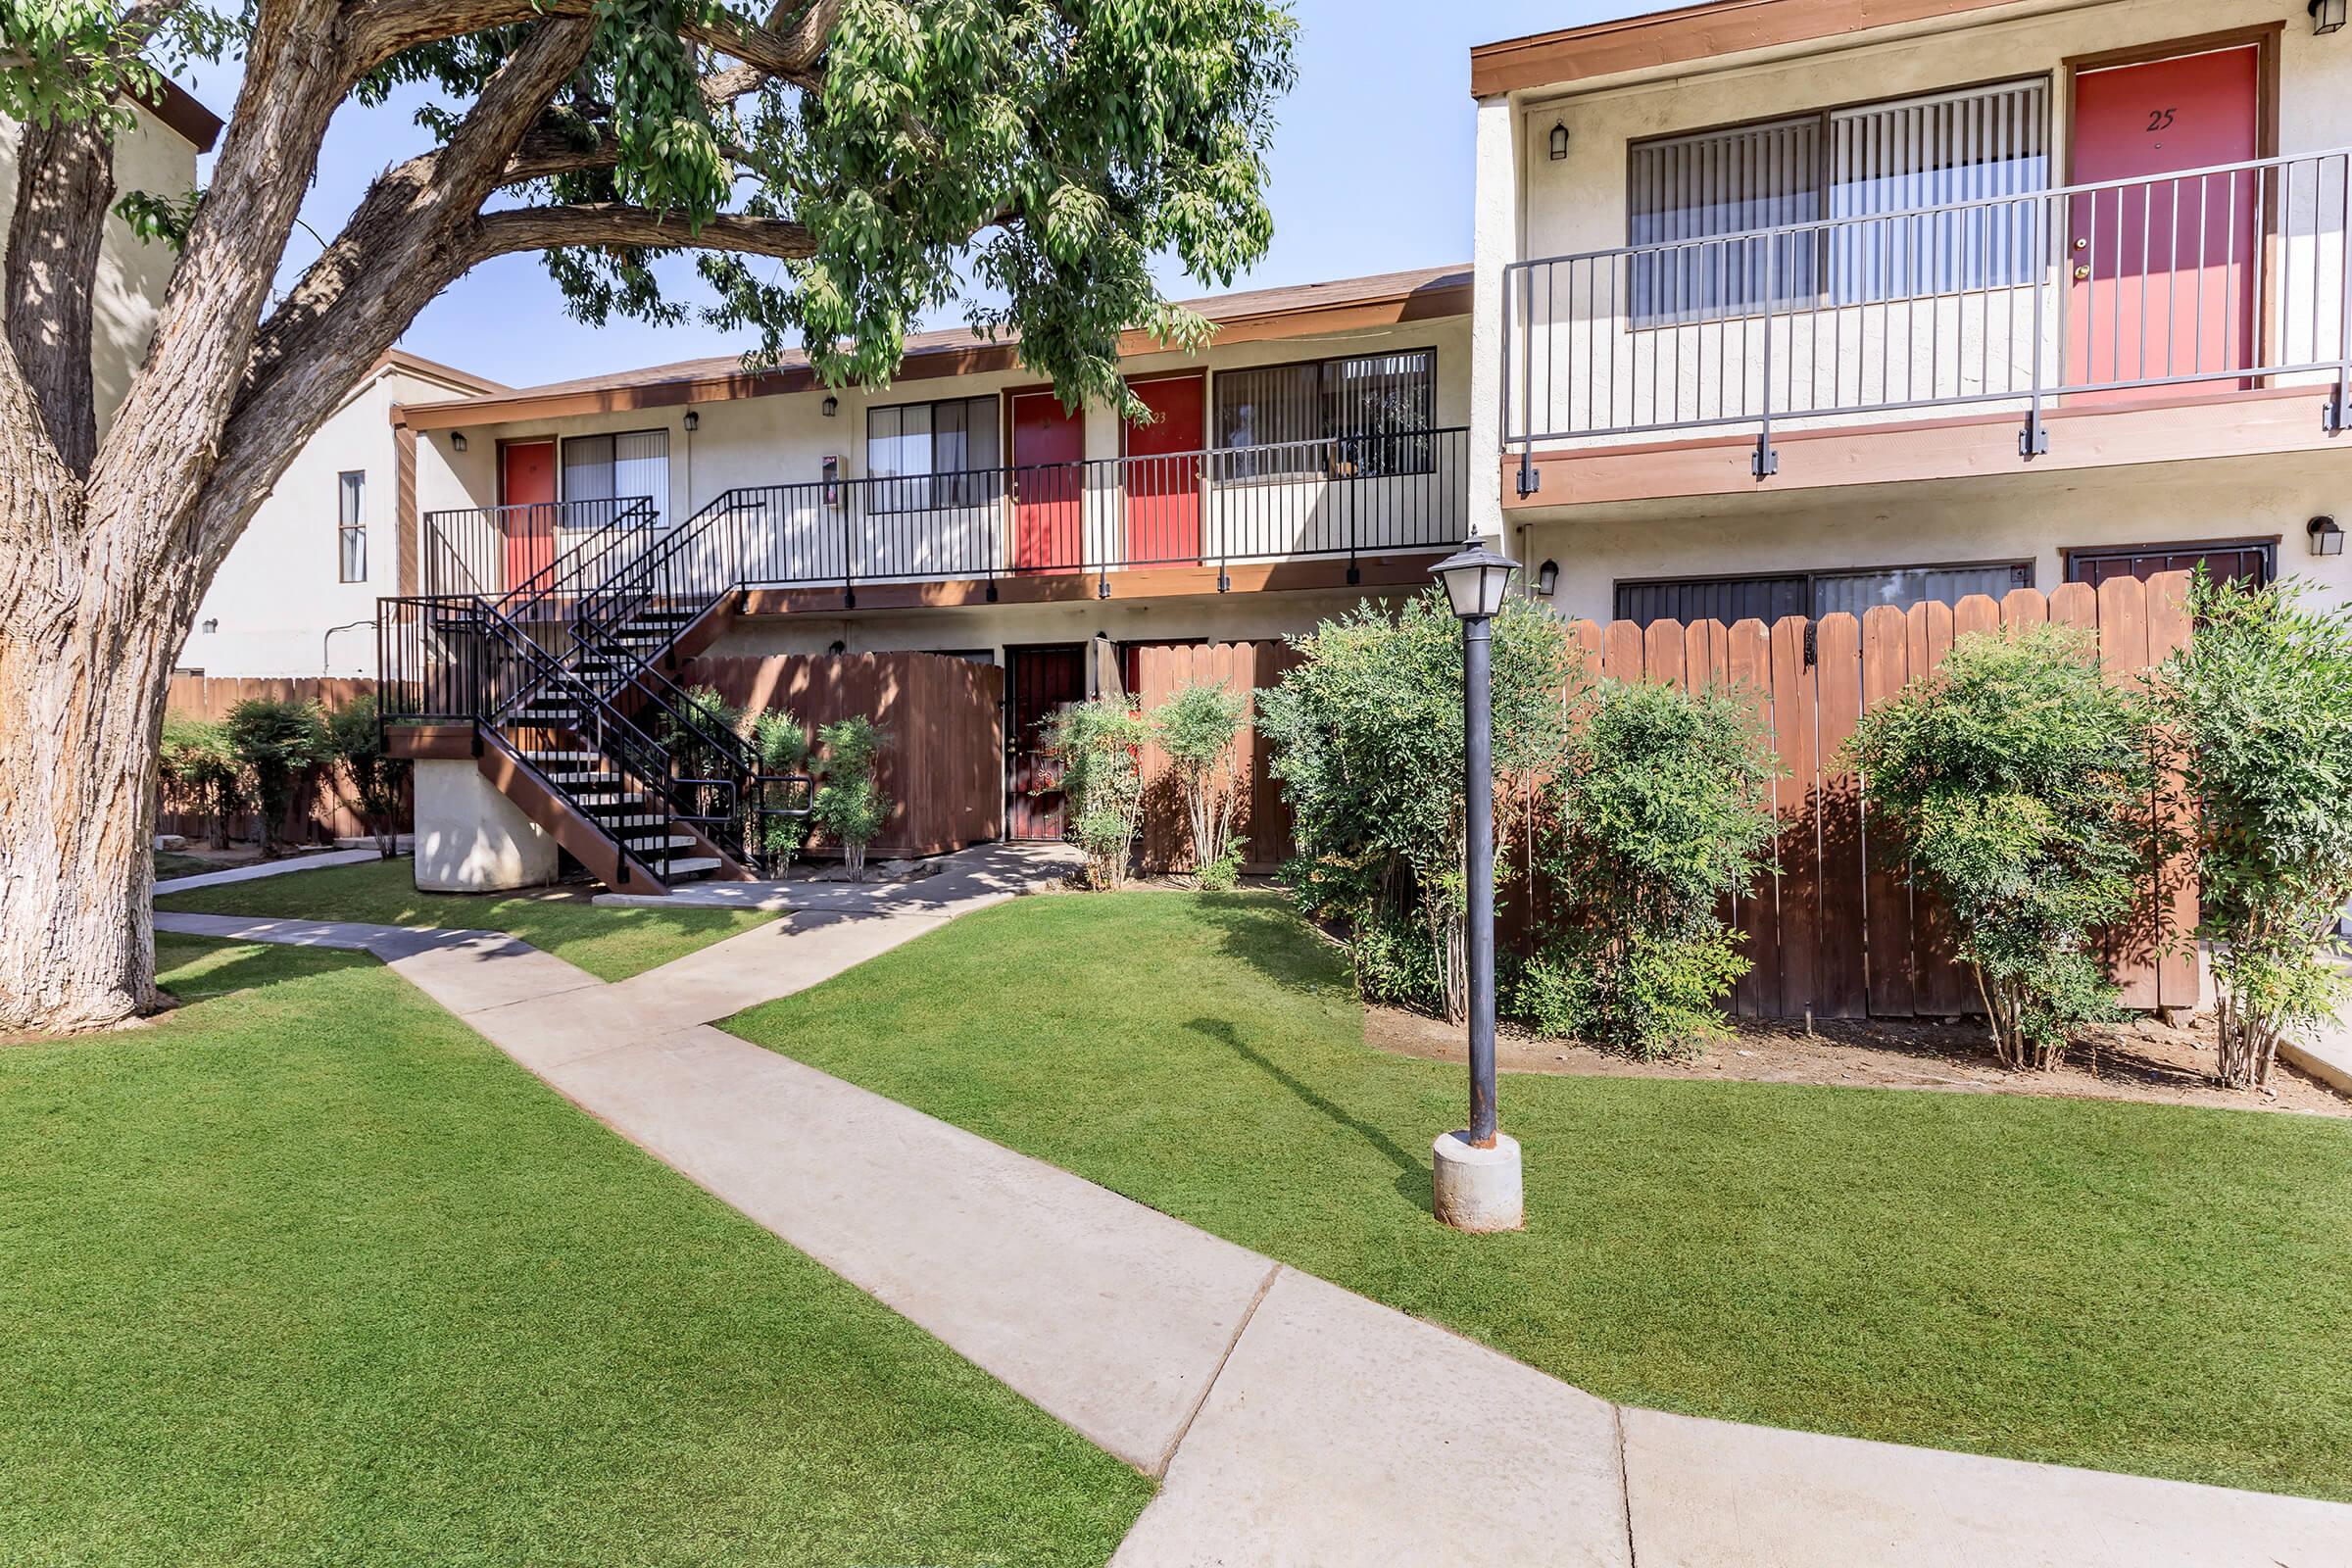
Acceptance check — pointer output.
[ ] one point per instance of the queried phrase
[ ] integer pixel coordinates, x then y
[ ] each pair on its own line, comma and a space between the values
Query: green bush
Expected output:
781, 743
278, 741
2019, 781
1661, 806
2259, 706
1099, 744
373, 778
1367, 732
200, 762
1196, 727
848, 806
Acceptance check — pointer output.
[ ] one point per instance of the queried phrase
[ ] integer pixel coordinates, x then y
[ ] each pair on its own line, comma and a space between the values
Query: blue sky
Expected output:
1371, 174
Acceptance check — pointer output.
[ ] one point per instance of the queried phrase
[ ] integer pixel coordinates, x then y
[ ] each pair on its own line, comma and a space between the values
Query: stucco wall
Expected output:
471, 838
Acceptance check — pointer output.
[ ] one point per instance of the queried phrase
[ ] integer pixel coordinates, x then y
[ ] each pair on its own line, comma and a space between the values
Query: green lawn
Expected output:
609, 944
308, 1273
2130, 1286
170, 863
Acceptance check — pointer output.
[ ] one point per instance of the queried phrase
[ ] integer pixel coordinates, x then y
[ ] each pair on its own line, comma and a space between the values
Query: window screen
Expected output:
2251, 561
1358, 418
945, 454
351, 527
1768, 598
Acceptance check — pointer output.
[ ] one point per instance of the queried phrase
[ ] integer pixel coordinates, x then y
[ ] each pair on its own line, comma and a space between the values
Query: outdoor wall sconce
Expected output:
831, 407
2326, 539
2325, 15
1548, 578
211, 625
694, 421
838, 648
1559, 131
456, 441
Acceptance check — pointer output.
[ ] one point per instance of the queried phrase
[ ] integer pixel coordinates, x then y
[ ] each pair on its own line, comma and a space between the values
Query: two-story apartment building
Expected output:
1799, 306
565, 545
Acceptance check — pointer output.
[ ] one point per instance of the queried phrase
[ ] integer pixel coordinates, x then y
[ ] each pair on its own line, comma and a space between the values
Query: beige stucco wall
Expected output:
2027, 516
131, 273
1592, 371
471, 839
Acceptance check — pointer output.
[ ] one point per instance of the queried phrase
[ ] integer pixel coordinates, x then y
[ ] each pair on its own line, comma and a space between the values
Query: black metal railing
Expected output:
2229, 277
514, 553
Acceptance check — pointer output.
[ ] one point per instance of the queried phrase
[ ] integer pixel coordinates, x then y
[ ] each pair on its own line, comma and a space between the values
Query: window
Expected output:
1873, 167
1814, 593
943, 453
2254, 562
625, 466
351, 527
1361, 417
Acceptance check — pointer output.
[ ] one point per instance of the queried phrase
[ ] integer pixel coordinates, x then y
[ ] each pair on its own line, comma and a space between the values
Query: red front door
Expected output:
2162, 272
1038, 683
1049, 494
1163, 474
526, 490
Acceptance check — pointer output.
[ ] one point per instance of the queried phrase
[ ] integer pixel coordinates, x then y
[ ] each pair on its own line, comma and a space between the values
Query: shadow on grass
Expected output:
184, 972
1224, 1034
1263, 931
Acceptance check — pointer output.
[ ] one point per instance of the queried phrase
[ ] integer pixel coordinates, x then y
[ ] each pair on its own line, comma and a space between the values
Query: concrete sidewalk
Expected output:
262, 869
1291, 1421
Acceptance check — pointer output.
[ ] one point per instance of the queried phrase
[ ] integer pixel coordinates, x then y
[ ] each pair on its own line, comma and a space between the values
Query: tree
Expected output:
848, 806
872, 155
1100, 745
2017, 779
1196, 729
277, 741
373, 776
199, 761
1368, 745
2259, 705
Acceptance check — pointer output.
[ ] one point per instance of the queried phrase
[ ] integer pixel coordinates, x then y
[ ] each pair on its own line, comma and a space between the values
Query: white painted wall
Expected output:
471, 838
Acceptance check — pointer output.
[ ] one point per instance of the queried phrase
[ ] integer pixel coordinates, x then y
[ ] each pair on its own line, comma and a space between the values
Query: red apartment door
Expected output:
1048, 493
1038, 681
526, 487
1162, 473
2162, 274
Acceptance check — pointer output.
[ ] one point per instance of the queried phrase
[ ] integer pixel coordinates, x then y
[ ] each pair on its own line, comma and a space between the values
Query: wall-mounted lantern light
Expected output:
1559, 129
2326, 539
2325, 15
832, 406
456, 441
694, 421
1548, 578
211, 625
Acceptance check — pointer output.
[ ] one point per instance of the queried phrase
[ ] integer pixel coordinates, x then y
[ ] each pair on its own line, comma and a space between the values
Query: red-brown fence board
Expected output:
1261, 818
318, 813
1843, 988
1889, 939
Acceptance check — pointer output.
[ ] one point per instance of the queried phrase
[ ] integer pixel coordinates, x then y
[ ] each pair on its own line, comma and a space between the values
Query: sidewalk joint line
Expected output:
1625, 1484
1249, 1316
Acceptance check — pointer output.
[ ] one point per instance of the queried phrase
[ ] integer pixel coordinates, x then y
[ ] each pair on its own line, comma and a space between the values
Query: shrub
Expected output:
781, 743
372, 777
2259, 706
278, 741
199, 760
1661, 806
690, 732
849, 805
1098, 743
1196, 727
1367, 734
2019, 781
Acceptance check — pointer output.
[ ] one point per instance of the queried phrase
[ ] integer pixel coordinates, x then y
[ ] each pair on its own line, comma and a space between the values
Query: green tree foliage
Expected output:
200, 762
1196, 727
2019, 779
2259, 706
1662, 807
1100, 745
375, 779
1368, 738
848, 806
278, 742
782, 745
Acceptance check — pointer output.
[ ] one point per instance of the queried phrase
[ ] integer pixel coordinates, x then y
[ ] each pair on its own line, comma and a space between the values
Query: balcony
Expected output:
1938, 339
502, 552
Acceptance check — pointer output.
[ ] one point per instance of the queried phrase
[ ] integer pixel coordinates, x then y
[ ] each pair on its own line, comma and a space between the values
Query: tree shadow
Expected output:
256, 967
1263, 931
1224, 1034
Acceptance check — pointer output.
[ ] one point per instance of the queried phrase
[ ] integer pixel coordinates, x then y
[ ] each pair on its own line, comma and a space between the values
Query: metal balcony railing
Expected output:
2225, 277
508, 552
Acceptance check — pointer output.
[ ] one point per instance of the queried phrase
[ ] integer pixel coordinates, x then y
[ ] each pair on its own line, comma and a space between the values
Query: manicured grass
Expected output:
308, 1273
2130, 1286
609, 944
170, 863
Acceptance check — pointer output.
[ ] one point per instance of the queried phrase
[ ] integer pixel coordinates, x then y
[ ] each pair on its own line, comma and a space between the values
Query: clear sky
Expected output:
1371, 174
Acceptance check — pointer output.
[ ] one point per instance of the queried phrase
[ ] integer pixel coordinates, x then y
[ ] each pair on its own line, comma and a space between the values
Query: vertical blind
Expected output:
911, 442
611, 468
1365, 415
351, 527
1693, 188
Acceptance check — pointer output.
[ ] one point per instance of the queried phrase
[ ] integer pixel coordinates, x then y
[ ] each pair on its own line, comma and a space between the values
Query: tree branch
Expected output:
607, 223
65, 183
786, 50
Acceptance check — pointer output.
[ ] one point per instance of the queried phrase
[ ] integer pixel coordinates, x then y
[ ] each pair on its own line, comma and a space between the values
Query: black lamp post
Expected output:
1478, 1182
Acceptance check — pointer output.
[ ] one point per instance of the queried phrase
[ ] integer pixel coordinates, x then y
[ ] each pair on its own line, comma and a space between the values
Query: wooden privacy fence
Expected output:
1262, 820
318, 813
943, 719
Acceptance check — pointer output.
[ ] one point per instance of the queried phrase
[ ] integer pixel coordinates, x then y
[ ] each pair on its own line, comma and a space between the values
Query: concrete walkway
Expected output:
262, 869
1289, 1421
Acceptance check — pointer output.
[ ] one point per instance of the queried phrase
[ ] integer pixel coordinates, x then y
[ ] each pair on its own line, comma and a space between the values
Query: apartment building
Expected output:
1788, 307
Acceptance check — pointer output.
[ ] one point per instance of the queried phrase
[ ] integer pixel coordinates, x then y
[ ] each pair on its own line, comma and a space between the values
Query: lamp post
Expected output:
1477, 1184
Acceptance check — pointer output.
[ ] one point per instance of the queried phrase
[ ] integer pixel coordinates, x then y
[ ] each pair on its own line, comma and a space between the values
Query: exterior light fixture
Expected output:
1477, 1183
1548, 578
694, 421
2325, 15
831, 407
457, 440
1559, 131
2326, 539
838, 648
211, 625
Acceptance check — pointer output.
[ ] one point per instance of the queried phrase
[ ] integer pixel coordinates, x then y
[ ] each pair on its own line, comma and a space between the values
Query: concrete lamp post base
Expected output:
1478, 1189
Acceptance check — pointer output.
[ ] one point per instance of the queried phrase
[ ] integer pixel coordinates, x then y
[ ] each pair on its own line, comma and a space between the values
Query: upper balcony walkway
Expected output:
1938, 339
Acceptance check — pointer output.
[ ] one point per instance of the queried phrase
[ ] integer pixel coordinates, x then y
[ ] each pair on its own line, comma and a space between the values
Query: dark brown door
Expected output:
1038, 683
